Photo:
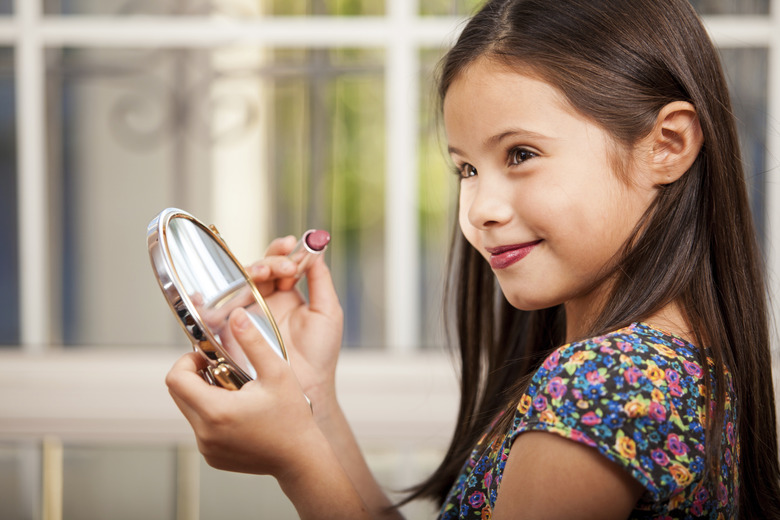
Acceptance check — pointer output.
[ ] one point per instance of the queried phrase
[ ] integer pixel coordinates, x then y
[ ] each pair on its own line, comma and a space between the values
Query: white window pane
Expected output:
237, 8
20, 479
9, 250
327, 170
326, 7
122, 146
449, 7
261, 144
438, 189
117, 482
706, 7
235, 495
118, 7
739, 7
747, 74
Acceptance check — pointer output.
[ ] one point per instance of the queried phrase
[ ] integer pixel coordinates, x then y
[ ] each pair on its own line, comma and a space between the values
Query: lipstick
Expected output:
313, 242
505, 256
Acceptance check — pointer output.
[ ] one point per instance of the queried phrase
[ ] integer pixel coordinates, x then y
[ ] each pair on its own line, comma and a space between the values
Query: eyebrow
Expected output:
498, 138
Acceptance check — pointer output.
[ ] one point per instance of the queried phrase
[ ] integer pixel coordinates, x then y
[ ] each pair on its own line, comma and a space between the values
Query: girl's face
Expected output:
539, 197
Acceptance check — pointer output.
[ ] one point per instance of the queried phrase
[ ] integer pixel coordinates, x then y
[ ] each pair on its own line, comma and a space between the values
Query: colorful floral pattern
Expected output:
636, 395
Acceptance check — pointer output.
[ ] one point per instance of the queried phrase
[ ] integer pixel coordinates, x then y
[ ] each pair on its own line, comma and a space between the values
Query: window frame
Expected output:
402, 33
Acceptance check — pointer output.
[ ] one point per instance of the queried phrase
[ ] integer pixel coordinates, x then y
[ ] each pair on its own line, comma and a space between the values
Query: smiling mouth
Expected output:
505, 256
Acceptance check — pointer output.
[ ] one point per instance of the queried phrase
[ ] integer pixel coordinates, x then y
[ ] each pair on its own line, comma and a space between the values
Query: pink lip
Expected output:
504, 256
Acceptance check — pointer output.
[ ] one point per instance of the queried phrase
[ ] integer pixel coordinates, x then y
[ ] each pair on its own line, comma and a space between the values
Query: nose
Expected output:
488, 204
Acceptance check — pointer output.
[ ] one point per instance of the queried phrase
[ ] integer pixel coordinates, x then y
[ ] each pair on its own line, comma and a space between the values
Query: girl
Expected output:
625, 372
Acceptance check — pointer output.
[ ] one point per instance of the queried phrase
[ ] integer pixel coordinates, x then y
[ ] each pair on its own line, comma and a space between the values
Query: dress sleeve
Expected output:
639, 405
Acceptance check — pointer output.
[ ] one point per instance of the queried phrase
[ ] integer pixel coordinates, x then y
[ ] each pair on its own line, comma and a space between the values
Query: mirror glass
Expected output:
210, 286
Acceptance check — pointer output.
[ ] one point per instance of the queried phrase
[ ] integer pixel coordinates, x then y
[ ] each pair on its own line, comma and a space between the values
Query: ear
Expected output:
674, 143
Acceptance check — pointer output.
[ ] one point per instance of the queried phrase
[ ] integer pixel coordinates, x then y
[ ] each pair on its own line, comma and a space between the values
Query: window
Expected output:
265, 117
9, 261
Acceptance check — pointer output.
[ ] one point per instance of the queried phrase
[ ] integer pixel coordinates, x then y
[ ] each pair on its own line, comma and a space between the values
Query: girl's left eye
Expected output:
520, 155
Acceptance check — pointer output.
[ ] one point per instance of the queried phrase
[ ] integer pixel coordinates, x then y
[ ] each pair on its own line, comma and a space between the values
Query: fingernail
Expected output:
241, 320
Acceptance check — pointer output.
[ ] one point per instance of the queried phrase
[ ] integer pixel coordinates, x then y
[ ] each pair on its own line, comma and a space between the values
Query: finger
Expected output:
322, 293
197, 299
191, 362
287, 284
186, 385
187, 410
281, 246
259, 353
272, 268
260, 275
268, 272
275, 263
259, 271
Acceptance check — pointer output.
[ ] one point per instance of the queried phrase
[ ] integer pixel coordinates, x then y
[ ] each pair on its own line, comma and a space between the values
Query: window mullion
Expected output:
402, 273
34, 251
206, 32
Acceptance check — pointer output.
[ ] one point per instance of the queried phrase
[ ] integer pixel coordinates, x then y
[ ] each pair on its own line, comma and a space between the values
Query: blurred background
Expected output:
265, 117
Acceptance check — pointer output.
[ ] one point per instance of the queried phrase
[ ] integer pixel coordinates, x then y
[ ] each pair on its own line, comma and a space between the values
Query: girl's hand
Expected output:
263, 428
267, 427
312, 331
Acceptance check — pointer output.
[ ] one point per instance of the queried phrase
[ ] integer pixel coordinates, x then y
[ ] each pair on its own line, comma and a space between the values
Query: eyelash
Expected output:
516, 156
461, 170
514, 153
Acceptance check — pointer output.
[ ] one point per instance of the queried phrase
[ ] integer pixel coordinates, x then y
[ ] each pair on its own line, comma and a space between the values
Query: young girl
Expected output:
625, 372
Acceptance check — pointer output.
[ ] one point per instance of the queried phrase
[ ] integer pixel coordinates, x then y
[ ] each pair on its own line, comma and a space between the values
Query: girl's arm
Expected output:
232, 428
334, 426
550, 477
312, 331
265, 428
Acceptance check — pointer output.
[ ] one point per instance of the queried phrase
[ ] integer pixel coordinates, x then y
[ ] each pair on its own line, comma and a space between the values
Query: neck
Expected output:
581, 313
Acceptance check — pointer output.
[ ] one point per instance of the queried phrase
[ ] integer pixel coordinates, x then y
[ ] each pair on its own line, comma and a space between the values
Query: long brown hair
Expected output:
619, 62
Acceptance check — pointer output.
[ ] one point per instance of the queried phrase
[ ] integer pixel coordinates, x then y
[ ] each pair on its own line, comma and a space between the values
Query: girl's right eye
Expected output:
466, 170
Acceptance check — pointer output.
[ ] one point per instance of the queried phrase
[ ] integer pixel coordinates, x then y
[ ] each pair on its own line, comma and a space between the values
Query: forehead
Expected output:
488, 94
514, 82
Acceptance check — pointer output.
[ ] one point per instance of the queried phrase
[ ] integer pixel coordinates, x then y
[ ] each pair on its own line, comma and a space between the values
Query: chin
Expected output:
523, 303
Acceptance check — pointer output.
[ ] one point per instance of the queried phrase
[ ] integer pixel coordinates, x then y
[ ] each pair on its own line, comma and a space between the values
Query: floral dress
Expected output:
635, 395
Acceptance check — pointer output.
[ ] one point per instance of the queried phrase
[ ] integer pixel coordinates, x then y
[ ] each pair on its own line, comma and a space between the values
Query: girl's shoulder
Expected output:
638, 345
636, 357
637, 395
634, 373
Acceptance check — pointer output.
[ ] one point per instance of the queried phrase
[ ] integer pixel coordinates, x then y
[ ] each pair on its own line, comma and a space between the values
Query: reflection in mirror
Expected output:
212, 285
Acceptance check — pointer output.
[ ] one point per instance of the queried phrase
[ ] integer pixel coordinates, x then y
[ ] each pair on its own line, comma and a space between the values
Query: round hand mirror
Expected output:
203, 283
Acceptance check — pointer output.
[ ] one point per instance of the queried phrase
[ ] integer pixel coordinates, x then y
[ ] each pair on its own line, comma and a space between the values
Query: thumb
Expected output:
261, 351
322, 293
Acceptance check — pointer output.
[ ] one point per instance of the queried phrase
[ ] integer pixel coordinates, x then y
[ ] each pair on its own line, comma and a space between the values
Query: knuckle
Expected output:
275, 372
207, 441
215, 418
210, 452
173, 380
210, 439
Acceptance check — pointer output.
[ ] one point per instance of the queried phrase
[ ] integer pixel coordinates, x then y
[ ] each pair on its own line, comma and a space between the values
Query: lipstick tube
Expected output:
313, 242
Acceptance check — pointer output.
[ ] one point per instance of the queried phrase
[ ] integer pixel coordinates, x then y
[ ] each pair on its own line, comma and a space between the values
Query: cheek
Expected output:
595, 226
469, 231
465, 225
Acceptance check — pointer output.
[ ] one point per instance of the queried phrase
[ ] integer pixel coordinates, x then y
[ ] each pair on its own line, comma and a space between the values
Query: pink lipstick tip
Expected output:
317, 239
